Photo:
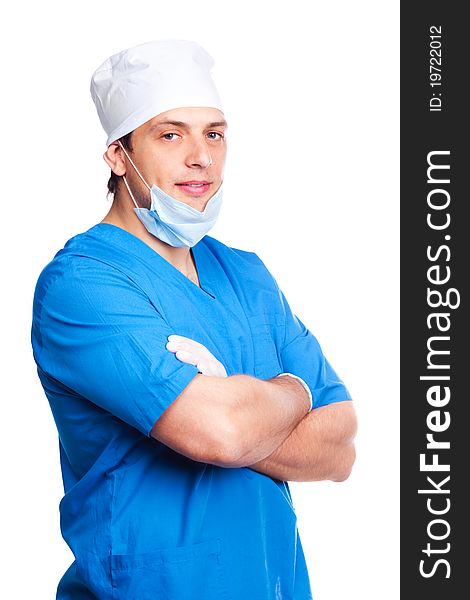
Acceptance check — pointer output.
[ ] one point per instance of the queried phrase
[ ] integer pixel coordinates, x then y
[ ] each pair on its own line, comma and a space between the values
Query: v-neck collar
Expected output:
198, 256
198, 252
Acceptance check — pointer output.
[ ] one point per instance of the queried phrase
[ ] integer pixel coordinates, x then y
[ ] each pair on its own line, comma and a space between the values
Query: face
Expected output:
183, 152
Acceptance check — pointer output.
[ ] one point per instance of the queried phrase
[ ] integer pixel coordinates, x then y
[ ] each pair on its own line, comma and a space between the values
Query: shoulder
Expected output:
104, 247
87, 262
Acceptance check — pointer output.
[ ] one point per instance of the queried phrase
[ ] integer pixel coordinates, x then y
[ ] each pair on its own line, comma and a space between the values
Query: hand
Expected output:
194, 353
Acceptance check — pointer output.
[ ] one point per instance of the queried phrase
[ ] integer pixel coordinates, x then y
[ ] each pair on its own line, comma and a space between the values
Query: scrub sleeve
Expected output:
301, 355
111, 343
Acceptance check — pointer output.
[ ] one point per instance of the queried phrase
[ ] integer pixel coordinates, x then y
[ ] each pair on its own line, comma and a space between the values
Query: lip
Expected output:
194, 187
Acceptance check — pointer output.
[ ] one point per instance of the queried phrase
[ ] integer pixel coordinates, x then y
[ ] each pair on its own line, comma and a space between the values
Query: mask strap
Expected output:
136, 169
130, 193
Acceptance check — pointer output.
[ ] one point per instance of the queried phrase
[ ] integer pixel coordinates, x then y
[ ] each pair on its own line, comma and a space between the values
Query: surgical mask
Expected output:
171, 220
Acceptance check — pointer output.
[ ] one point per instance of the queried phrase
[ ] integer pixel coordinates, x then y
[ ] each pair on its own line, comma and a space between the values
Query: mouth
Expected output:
194, 188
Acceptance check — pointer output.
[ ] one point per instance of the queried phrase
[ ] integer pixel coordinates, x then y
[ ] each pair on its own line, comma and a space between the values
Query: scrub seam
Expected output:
112, 478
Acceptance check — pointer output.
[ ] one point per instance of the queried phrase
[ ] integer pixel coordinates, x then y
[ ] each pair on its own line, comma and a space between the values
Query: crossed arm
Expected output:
242, 421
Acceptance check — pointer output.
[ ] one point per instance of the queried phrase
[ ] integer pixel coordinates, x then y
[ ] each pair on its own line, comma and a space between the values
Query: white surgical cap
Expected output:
137, 84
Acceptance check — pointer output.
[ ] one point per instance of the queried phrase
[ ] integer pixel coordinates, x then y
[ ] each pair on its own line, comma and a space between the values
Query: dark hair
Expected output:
113, 182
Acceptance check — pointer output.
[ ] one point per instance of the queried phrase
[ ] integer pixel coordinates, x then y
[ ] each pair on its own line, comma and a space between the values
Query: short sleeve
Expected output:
302, 355
96, 332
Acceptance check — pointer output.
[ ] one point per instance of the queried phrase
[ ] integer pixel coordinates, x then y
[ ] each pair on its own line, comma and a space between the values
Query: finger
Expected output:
218, 370
203, 367
181, 339
209, 370
174, 346
185, 357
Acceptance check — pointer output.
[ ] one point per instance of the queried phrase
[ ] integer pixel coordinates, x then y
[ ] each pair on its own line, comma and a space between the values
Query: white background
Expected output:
310, 90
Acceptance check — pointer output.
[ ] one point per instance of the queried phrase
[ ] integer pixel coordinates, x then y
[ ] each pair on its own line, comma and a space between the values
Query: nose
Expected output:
199, 156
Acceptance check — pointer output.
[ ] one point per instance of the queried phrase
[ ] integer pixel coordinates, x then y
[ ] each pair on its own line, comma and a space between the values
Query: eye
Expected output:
215, 135
169, 136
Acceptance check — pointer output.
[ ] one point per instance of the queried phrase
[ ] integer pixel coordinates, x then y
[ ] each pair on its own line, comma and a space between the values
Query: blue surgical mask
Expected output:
173, 221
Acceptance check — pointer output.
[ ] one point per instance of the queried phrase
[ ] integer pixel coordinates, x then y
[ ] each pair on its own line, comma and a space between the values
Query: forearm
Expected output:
264, 414
232, 421
320, 447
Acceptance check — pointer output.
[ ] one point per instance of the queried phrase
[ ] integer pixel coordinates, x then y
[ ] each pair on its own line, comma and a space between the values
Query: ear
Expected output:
114, 158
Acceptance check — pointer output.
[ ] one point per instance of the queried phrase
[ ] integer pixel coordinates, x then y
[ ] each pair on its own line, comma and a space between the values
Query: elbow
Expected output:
345, 464
230, 453
225, 447
234, 450
213, 448
224, 455
347, 455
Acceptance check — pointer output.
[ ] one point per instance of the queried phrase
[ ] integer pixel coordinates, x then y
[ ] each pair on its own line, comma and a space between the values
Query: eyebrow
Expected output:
185, 125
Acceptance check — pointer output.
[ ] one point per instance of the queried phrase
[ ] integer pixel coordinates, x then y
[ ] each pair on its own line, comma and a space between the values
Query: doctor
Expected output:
185, 391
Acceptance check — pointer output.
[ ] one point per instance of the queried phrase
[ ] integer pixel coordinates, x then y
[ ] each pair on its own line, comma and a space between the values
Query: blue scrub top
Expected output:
142, 520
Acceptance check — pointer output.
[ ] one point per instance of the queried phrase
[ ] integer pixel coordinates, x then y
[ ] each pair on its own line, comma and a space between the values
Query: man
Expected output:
181, 383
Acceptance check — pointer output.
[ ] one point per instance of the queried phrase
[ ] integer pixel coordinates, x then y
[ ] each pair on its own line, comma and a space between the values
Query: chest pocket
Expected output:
267, 335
